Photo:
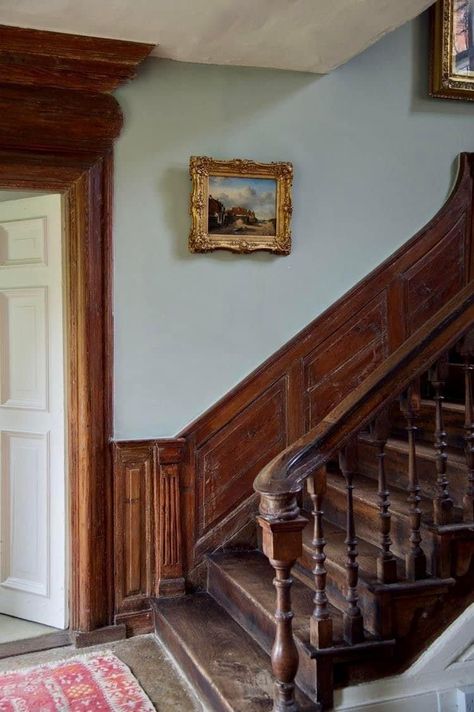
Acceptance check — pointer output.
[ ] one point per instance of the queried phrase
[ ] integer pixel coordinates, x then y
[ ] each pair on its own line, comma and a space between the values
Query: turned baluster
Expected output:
282, 544
442, 504
467, 352
320, 624
410, 403
352, 618
386, 562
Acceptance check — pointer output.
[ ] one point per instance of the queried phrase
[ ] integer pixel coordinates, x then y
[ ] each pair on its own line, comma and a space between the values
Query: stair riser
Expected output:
396, 468
255, 621
453, 425
336, 589
208, 694
367, 519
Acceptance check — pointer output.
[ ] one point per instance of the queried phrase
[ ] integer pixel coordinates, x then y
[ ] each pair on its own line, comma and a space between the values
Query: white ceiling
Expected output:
304, 35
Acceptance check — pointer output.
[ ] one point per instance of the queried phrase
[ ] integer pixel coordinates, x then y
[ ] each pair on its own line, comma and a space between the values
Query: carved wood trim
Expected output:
169, 551
55, 59
148, 547
56, 137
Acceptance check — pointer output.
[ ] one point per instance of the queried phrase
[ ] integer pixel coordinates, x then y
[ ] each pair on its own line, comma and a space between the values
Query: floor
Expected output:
147, 659
18, 629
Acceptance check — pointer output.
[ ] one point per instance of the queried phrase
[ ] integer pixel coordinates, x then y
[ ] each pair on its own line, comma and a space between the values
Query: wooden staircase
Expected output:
375, 576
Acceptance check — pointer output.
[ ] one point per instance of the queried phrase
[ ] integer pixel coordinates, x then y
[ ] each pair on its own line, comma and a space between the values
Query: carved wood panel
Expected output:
147, 514
435, 278
227, 463
133, 531
345, 359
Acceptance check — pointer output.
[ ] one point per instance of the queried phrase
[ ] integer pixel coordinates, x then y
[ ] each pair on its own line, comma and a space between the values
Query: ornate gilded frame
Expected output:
201, 168
444, 82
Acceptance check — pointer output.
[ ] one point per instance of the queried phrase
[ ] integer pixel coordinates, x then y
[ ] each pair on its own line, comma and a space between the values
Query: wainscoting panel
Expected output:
436, 278
345, 359
203, 498
147, 528
228, 463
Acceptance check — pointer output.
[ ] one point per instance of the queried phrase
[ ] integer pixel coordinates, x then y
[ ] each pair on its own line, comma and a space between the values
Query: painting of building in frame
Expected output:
240, 205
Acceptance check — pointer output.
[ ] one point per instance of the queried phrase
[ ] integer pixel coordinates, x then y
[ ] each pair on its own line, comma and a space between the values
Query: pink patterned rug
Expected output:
86, 683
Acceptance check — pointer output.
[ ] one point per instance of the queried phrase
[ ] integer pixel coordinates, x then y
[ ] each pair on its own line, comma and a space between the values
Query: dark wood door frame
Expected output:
57, 128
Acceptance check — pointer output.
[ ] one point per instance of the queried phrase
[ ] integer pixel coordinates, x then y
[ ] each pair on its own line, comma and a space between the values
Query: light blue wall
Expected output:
374, 159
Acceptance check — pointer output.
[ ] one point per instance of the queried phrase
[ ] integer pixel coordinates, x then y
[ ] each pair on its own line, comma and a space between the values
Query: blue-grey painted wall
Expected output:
374, 159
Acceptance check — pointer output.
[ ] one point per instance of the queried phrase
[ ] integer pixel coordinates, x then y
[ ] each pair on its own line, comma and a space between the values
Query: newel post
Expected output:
282, 529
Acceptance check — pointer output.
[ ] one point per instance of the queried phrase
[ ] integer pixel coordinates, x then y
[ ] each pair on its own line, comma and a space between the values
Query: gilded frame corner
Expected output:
445, 83
201, 168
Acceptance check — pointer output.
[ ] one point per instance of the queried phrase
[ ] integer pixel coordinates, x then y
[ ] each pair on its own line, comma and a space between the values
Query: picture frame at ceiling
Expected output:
452, 50
240, 205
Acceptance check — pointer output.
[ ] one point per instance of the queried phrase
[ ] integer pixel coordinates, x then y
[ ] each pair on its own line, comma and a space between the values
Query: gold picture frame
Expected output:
262, 196
452, 50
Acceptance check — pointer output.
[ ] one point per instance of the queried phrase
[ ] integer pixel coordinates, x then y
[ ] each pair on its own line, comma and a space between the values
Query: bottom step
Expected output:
230, 672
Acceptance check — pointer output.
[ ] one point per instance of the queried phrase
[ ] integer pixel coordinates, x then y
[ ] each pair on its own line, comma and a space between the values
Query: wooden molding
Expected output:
66, 61
99, 636
56, 137
148, 547
169, 551
58, 120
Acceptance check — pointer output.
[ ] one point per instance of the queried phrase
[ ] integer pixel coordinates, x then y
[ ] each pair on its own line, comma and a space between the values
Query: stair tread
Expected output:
237, 670
455, 455
336, 551
447, 406
366, 490
253, 575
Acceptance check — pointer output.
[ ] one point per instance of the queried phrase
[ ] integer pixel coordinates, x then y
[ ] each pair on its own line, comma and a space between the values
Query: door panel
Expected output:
25, 491
24, 354
32, 432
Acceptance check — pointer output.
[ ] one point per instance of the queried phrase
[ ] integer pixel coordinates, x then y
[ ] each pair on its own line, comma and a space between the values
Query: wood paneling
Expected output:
319, 367
435, 278
147, 523
345, 359
228, 462
56, 137
169, 551
133, 529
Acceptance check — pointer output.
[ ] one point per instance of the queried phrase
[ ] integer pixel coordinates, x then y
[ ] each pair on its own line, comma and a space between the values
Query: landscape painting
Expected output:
242, 206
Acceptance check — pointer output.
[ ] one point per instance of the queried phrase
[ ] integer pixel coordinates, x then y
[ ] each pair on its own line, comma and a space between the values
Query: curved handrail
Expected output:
285, 473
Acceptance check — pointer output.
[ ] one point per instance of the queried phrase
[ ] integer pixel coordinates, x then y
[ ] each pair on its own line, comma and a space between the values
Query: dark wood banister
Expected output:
285, 473
280, 481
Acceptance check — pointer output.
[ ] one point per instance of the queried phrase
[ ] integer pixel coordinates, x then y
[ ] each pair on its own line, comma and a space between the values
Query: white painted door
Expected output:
32, 430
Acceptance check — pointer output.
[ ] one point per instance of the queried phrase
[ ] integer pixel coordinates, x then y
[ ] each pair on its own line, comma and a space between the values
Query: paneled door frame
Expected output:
57, 127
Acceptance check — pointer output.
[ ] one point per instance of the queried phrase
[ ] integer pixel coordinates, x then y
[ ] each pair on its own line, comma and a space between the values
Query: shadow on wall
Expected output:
175, 191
